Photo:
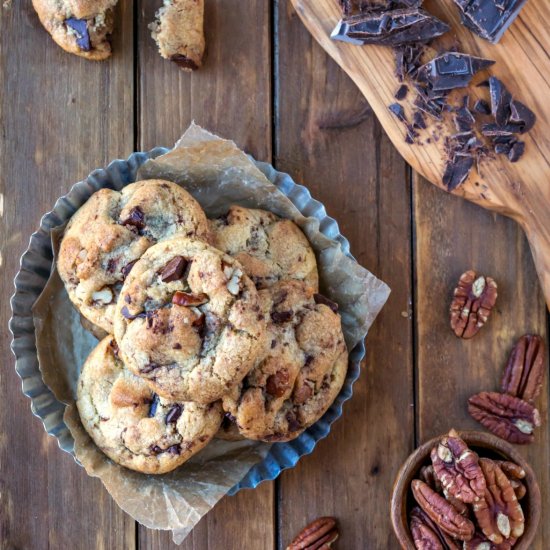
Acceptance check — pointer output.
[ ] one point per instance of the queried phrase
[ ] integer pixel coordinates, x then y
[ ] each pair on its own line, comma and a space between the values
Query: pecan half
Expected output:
318, 535
428, 535
481, 542
457, 468
511, 469
427, 475
525, 369
473, 300
499, 514
508, 417
443, 513
185, 299
519, 487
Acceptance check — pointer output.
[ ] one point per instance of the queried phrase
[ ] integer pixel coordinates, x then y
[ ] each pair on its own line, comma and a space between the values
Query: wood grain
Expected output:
451, 237
60, 117
231, 96
521, 56
364, 184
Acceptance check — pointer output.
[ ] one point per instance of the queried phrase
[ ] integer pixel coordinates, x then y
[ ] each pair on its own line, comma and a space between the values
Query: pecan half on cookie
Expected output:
525, 369
473, 300
508, 417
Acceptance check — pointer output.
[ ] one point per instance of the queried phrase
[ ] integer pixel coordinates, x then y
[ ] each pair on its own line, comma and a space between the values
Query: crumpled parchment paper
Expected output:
217, 174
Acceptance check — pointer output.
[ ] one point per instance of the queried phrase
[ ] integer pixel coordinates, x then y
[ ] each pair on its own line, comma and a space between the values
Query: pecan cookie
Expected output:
269, 248
111, 231
188, 321
81, 27
302, 369
132, 425
179, 32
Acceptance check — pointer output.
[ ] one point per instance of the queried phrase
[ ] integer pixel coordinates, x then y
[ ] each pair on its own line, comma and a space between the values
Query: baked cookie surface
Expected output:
132, 425
269, 248
81, 27
302, 369
188, 321
178, 31
111, 231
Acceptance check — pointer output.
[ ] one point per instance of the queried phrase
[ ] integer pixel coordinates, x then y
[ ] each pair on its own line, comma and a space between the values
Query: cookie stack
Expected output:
209, 327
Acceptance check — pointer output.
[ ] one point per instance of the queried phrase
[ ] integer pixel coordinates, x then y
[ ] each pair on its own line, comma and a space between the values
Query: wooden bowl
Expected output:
484, 444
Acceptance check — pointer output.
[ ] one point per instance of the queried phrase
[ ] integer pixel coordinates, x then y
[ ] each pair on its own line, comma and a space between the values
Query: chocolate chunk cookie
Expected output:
132, 425
81, 27
303, 367
111, 231
179, 32
269, 248
188, 321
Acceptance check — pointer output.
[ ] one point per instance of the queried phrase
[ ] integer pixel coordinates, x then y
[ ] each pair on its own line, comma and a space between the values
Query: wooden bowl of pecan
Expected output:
465, 490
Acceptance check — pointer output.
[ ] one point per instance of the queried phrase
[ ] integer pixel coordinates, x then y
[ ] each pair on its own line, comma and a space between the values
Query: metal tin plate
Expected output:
36, 265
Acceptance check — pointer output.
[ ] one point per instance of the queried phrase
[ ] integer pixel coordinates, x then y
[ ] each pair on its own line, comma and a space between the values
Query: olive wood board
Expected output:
519, 190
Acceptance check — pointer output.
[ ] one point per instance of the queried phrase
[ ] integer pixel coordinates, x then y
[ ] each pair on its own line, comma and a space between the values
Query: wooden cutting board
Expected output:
520, 190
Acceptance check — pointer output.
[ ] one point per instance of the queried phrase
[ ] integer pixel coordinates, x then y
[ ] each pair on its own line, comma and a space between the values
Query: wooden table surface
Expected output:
271, 88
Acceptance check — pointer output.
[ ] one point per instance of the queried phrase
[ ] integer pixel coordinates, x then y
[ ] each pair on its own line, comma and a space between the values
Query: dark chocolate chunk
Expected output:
136, 218
516, 152
149, 368
451, 70
184, 62
155, 449
500, 101
320, 299
464, 120
522, 115
174, 450
173, 270
489, 18
418, 120
154, 406
503, 148
399, 112
390, 28
127, 315
293, 423
80, 29
353, 7
401, 92
407, 60
457, 170
494, 130
125, 271
281, 316
173, 414
482, 107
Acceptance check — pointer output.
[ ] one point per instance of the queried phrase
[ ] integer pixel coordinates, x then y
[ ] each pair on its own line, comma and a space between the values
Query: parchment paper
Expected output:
217, 174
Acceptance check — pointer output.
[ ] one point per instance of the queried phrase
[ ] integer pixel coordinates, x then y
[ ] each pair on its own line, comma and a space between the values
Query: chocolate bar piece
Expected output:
389, 28
353, 7
451, 70
489, 18
457, 170
509, 112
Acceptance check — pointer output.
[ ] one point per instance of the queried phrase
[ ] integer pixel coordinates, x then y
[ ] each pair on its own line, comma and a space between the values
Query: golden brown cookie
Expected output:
132, 425
270, 248
302, 369
111, 231
188, 321
82, 27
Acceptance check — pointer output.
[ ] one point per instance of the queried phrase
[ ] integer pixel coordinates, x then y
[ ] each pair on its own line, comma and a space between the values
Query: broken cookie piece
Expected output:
81, 28
179, 32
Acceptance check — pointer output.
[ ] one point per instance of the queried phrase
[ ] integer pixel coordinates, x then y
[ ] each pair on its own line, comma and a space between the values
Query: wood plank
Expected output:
230, 95
60, 118
364, 184
451, 237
